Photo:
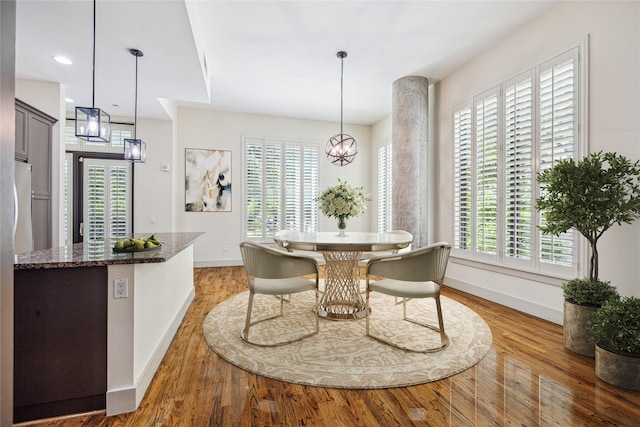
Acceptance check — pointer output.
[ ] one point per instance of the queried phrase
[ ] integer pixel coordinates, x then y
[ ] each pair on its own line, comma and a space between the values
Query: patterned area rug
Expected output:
341, 356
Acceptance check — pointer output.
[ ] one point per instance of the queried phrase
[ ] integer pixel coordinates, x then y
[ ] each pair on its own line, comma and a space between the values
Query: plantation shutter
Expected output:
293, 187
310, 188
95, 200
119, 200
486, 194
281, 182
68, 198
106, 199
557, 130
519, 167
273, 188
462, 179
385, 218
254, 191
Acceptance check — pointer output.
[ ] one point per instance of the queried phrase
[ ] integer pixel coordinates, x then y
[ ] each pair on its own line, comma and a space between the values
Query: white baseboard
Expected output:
217, 263
127, 399
537, 310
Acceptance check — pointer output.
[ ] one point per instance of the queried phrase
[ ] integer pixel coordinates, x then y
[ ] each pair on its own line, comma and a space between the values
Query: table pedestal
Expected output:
342, 299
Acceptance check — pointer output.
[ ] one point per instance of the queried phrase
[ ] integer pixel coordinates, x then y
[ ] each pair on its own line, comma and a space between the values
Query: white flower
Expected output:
343, 201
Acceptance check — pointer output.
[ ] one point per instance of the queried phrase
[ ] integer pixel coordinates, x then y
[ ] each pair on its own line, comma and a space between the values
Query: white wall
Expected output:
199, 128
155, 189
613, 29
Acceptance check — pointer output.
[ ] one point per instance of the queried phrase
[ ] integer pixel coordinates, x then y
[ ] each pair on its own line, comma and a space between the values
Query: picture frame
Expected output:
207, 180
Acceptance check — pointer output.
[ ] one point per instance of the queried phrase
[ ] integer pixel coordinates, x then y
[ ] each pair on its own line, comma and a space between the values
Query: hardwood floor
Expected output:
527, 379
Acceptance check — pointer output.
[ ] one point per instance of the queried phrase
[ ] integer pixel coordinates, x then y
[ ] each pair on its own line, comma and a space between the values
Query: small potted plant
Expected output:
590, 196
615, 328
582, 297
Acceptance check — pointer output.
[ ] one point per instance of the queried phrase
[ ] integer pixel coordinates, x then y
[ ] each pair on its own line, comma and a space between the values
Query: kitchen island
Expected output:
92, 326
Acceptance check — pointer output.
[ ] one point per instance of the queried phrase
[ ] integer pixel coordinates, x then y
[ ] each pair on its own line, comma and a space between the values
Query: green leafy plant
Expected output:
590, 196
589, 292
616, 326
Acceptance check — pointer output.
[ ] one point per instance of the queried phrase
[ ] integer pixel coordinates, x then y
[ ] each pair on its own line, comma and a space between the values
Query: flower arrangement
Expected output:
343, 201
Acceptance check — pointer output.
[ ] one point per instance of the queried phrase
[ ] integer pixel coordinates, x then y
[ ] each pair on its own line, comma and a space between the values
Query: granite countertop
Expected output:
101, 254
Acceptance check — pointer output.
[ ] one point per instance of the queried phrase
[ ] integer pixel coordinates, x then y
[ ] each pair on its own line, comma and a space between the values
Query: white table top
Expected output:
353, 241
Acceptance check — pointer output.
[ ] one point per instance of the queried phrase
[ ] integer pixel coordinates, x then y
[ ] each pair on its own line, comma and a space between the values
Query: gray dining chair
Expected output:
415, 274
274, 272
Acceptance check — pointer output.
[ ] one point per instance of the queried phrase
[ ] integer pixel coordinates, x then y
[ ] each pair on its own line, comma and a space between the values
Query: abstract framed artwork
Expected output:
207, 180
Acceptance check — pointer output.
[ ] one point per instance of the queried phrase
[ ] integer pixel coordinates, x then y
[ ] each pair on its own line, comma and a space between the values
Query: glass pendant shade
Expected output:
341, 149
93, 124
135, 150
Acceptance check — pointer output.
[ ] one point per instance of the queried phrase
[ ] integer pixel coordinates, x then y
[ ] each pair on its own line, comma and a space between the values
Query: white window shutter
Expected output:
557, 111
486, 164
519, 167
106, 213
385, 195
462, 179
281, 181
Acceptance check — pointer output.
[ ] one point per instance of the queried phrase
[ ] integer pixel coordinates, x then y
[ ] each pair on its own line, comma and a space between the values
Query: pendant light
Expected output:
93, 124
135, 150
341, 149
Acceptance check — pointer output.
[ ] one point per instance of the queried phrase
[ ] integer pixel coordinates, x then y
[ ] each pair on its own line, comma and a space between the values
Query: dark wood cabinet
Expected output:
34, 133
22, 147
60, 341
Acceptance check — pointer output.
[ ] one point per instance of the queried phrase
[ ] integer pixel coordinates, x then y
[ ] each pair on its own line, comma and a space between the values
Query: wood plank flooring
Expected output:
527, 379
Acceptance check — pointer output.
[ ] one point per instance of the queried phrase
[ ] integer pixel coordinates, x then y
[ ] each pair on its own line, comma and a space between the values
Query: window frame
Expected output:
308, 190
502, 262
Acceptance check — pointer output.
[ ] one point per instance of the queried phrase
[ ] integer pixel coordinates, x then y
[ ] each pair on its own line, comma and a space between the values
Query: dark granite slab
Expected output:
101, 254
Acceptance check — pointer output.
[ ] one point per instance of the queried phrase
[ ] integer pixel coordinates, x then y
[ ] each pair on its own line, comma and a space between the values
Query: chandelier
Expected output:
341, 149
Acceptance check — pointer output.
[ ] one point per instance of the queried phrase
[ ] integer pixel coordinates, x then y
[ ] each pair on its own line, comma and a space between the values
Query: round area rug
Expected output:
341, 356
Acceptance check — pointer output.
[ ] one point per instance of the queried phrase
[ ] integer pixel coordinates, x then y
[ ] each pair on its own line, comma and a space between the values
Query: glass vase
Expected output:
342, 226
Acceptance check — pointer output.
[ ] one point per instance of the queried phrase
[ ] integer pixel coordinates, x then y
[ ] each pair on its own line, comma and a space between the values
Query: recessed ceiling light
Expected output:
62, 60
69, 100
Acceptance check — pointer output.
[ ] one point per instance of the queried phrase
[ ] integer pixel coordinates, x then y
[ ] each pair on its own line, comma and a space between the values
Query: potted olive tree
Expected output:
590, 196
615, 328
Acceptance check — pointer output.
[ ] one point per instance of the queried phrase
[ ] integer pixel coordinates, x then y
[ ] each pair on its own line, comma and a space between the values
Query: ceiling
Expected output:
265, 57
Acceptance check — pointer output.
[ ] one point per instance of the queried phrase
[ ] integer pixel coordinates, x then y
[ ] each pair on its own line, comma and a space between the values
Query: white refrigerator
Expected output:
22, 227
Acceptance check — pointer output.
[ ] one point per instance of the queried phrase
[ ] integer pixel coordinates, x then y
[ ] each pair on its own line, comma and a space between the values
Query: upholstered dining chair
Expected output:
274, 272
415, 274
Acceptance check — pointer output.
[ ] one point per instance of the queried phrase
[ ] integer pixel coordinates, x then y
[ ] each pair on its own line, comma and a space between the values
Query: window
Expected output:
281, 181
502, 138
106, 199
385, 216
119, 131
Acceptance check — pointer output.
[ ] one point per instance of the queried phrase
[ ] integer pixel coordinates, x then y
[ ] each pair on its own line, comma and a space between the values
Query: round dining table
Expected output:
341, 298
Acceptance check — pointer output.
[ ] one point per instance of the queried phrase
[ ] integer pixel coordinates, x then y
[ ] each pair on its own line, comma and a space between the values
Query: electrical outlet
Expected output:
121, 288
225, 248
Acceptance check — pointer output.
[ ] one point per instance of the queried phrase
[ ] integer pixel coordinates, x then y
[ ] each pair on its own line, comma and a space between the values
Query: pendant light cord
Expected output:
135, 110
93, 84
341, 90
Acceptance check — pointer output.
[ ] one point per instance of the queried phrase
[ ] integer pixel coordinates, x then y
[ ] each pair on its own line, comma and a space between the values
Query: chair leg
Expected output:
247, 324
245, 333
444, 339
